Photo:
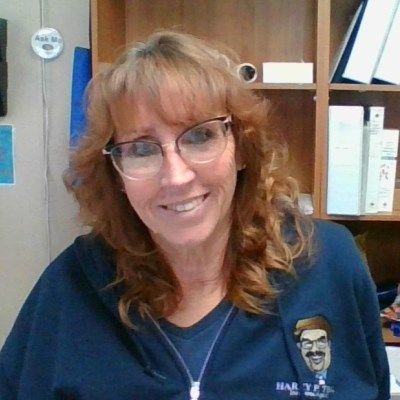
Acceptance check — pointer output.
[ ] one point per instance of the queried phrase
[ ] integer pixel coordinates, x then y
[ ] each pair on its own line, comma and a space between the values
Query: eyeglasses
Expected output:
307, 344
200, 144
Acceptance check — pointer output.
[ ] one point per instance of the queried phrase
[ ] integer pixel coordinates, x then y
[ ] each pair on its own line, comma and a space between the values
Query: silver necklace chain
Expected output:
194, 385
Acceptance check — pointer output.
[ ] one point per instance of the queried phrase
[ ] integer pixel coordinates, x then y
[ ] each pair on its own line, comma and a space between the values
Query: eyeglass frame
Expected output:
307, 344
226, 119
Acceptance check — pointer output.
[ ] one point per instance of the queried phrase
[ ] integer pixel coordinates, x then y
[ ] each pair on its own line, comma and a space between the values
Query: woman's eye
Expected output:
142, 149
198, 136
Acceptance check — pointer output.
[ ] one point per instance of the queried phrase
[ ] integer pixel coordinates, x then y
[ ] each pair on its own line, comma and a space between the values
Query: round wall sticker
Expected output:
47, 43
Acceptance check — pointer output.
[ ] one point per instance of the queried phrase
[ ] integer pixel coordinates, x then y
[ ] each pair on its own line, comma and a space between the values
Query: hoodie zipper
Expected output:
194, 390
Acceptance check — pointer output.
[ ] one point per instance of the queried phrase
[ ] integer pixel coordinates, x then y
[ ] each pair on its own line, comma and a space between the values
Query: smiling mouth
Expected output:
316, 359
185, 206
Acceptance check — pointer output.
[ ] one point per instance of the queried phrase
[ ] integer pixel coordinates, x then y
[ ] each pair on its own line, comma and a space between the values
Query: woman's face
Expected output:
205, 189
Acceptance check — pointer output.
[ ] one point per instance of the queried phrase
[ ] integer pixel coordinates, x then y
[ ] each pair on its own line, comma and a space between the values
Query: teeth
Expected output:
317, 359
187, 206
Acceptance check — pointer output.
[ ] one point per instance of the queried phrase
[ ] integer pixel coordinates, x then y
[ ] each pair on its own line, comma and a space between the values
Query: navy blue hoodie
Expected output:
69, 343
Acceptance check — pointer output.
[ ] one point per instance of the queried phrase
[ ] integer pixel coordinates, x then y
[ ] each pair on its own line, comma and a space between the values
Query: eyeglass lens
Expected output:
308, 344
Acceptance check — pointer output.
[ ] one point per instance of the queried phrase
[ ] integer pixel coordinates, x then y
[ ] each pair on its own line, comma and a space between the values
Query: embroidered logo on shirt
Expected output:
313, 337
310, 390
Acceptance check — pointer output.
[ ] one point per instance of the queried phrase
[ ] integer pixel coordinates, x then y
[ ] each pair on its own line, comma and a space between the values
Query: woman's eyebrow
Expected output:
138, 134
145, 137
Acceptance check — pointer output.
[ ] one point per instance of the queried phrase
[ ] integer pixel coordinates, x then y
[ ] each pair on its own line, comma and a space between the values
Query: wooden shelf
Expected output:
395, 216
282, 86
364, 88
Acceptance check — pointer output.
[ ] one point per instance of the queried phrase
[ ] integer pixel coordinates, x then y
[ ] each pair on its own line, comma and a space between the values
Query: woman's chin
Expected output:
184, 239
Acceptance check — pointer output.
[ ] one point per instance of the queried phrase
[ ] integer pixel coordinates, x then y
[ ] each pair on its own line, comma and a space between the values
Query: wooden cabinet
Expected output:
267, 30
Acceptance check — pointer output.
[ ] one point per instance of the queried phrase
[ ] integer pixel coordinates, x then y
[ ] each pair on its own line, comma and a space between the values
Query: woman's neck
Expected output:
202, 272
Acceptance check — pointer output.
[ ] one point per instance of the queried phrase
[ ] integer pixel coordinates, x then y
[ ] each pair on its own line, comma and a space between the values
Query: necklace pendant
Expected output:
195, 391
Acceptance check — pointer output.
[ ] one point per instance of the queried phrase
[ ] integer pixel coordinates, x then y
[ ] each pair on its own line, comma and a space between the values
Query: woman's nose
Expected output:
175, 170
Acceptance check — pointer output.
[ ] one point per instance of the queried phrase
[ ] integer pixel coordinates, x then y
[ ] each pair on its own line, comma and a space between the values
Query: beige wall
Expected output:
24, 248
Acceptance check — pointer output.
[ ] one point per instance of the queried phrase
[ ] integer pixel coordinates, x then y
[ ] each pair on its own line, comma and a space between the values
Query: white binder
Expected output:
370, 39
345, 141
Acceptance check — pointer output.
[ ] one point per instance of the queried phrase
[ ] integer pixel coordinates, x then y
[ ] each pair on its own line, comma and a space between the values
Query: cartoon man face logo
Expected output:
313, 340
315, 349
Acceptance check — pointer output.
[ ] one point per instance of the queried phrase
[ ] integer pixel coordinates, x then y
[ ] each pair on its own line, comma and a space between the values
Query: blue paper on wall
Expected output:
81, 75
7, 176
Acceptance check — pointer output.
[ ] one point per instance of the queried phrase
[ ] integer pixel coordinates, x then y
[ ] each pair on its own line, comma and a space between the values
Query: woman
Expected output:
201, 278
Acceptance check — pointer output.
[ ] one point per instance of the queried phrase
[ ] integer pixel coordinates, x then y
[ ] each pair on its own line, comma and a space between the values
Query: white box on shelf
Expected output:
288, 72
345, 140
